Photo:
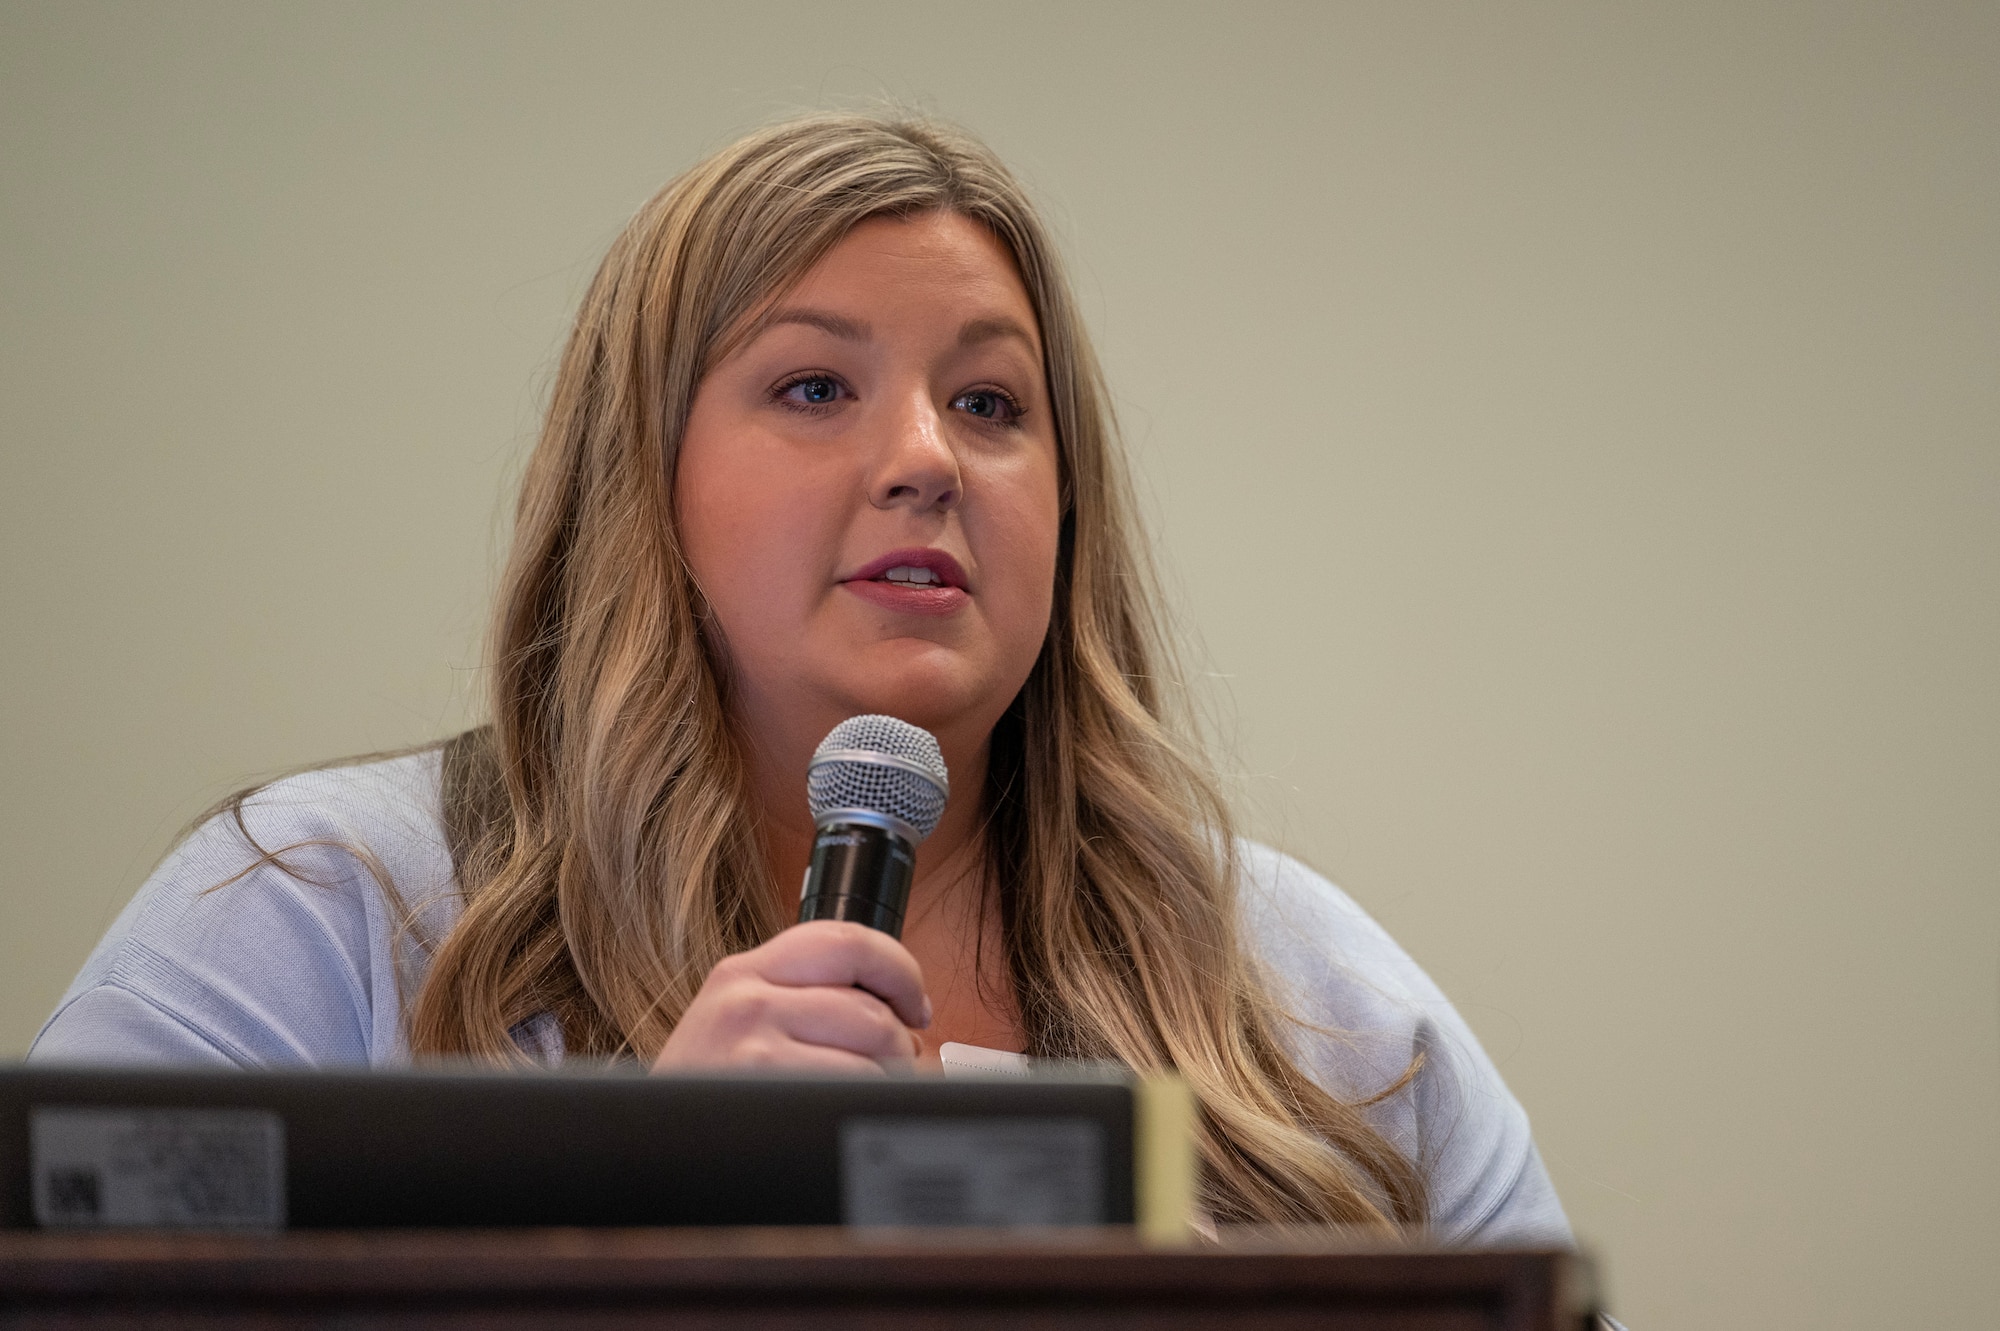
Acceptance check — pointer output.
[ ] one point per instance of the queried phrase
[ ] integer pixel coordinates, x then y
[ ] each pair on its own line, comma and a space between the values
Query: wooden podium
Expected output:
801, 1280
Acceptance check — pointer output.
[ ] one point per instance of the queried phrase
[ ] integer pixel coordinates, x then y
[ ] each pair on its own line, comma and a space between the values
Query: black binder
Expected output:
130, 1148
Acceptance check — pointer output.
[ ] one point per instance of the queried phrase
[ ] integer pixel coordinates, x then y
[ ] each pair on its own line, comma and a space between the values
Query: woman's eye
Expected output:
988, 404
813, 390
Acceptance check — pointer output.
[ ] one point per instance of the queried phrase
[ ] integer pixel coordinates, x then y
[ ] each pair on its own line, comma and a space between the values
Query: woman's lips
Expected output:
909, 599
915, 581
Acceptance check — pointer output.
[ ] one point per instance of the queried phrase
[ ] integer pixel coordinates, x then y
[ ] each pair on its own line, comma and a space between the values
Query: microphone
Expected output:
877, 787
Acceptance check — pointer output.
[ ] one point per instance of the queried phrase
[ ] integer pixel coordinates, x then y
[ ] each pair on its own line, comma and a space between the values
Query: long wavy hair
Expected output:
602, 825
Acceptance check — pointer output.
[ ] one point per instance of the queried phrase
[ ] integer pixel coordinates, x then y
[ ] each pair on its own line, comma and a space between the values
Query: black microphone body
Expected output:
859, 872
877, 786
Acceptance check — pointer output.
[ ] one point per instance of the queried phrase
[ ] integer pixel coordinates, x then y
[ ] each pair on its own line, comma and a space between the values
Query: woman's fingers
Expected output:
794, 1056
843, 1019
826, 994
835, 952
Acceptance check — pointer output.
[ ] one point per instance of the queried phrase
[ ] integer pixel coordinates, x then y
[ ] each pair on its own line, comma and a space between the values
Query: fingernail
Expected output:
927, 1011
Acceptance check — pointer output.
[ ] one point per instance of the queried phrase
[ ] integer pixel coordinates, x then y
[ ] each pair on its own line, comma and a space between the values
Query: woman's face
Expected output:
868, 490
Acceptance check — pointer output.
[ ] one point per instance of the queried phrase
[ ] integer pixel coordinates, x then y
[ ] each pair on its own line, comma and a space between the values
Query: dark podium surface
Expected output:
811, 1280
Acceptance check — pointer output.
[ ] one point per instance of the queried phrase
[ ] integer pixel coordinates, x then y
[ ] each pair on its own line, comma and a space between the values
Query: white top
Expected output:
282, 969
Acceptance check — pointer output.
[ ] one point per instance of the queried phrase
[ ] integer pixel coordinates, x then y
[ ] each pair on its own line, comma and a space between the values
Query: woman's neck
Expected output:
947, 861
951, 926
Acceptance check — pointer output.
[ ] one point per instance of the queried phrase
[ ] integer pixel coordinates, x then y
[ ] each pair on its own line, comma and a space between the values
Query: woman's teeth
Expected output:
915, 577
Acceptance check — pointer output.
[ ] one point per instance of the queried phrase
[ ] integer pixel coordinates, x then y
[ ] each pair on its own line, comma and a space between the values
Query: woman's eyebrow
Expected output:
837, 325
985, 330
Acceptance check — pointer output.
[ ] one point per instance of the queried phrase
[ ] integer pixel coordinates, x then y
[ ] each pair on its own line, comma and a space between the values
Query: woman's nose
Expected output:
918, 469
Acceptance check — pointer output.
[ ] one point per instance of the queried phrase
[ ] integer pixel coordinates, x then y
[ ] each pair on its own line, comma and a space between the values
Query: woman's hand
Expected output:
825, 995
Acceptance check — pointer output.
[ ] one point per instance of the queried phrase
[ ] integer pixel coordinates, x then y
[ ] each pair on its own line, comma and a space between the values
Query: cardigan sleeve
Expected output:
1364, 1014
226, 957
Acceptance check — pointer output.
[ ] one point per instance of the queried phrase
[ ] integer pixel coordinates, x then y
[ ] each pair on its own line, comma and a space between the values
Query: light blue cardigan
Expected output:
272, 970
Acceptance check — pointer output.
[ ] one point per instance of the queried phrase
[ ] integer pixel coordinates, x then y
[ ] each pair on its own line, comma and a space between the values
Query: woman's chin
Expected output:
937, 694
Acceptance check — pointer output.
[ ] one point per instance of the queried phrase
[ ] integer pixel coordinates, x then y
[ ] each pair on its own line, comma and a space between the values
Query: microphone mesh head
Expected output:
848, 771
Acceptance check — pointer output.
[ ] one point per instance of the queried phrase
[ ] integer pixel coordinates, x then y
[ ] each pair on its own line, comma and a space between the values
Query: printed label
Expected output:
1001, 1172
170, 1168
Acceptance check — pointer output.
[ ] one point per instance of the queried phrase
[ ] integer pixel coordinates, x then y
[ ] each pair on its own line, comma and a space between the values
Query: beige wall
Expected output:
1573, 431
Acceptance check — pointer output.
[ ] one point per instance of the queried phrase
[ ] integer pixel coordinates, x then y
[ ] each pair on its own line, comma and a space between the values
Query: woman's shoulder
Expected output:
1314, 933
274, 932
1334, 966
1364, 1017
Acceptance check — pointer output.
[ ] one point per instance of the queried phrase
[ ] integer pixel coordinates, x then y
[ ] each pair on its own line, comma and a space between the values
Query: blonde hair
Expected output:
602, 824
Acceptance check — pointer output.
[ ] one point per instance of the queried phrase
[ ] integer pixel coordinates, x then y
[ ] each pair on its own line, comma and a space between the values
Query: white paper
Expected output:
971, 1060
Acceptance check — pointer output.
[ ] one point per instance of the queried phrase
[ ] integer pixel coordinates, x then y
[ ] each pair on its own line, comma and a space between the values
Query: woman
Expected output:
827, 439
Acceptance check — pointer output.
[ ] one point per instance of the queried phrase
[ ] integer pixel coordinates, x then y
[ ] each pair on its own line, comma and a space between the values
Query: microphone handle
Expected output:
859, 872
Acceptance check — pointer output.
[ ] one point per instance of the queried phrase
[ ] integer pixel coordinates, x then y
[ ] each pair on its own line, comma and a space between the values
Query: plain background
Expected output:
1570, 431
